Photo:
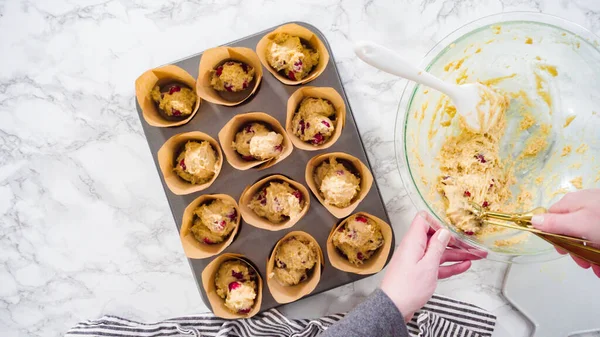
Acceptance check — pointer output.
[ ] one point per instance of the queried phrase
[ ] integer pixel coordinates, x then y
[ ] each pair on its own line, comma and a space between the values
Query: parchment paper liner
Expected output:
304, 34
199, 250
161, 76
329, 94
375, 263
227, 136
169, 152
252, 219
216, 302
287, 294
366, 180
214, 57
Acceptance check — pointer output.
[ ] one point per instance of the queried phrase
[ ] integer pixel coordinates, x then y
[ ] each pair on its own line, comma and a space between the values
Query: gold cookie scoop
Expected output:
522, 221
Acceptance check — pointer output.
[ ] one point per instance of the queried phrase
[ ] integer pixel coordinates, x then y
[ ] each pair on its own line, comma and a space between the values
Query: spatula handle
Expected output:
391, 62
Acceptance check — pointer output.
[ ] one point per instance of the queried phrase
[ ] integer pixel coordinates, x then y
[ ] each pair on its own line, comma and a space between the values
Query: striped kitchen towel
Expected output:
441, 316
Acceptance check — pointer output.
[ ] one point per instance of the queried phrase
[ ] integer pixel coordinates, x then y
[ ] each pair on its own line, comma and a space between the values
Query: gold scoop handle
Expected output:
537, 231
590, 254
520, 218
523, 221
571, 244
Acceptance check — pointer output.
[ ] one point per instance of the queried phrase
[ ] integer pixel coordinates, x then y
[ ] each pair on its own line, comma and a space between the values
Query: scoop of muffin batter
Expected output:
287, 54
313, 122
319, 106
232, 77
176, 101
257, 142
235, 282
294, 258
277, 202
358, 239
338, 186
197, 162
214, 221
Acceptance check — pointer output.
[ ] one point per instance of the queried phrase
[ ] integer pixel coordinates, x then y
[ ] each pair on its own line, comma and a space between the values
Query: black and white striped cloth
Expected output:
441, 316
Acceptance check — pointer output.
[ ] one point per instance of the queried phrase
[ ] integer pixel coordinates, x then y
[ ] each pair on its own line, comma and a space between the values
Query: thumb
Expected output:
437, 246
573, 224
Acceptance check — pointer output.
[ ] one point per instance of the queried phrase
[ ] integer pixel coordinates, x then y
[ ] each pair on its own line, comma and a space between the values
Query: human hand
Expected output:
413, 272
576, 214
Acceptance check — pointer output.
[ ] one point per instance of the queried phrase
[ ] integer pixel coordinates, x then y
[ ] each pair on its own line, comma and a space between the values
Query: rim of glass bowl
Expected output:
408, 95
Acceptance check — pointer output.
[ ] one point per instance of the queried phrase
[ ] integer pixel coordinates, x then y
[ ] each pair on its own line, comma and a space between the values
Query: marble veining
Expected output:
85, 227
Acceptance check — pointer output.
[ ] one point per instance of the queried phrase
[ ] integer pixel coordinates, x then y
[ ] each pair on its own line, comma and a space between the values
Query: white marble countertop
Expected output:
85, 225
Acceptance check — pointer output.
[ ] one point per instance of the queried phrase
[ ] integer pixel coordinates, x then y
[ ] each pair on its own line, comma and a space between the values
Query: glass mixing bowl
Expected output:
552, 68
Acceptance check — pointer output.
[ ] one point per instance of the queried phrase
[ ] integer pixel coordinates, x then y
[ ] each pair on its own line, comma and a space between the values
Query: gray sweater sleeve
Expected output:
376, 316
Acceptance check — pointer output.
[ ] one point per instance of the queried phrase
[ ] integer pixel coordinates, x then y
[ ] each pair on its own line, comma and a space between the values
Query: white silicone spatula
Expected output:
475, 102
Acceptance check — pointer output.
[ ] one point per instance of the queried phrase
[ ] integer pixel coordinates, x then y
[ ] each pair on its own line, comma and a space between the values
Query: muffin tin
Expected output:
271, 97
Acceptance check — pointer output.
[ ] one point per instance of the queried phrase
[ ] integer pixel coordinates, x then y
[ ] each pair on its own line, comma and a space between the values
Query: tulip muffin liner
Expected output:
214, 57
286, 294
354, 165
161, 76
308, 37
375, 263
216, 302
195, 249
235, 125
253, 219
315, 92
167, 155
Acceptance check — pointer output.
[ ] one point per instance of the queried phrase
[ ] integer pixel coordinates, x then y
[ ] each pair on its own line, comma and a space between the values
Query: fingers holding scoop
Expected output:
581, 262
